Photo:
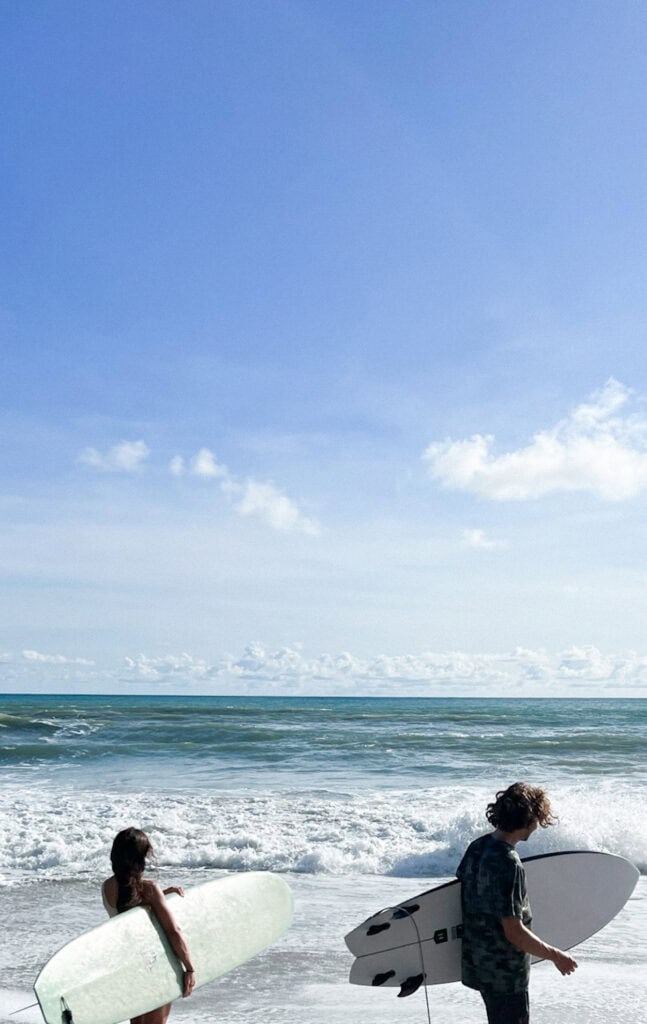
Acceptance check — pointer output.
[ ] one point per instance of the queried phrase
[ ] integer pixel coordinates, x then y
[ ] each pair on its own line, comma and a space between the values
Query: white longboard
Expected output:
572, 896
126, 966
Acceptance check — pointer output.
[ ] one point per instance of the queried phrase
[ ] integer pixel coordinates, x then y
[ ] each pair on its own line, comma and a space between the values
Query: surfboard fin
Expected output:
411, 985
406, 911
375, 929
379, 979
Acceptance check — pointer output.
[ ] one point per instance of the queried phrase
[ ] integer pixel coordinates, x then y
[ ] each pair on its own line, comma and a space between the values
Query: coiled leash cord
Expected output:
405, 911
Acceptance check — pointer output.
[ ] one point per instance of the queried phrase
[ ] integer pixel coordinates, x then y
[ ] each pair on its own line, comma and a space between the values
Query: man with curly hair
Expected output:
497, 938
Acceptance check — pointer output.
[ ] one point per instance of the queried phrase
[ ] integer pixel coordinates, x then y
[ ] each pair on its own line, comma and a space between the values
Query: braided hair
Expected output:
128, 856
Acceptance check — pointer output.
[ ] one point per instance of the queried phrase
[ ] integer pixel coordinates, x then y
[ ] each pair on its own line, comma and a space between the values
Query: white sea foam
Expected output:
14, 999
59, 833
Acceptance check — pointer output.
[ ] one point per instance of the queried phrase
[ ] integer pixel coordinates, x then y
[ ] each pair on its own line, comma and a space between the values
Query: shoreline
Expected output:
304, 976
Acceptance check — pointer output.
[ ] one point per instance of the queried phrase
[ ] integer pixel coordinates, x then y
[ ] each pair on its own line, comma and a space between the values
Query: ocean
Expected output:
358, 803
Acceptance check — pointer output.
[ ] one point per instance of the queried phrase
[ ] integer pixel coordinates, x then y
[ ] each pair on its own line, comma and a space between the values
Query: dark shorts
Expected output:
513, 1008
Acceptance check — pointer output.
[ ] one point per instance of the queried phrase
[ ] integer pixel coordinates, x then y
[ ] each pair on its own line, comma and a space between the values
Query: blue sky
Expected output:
323, 347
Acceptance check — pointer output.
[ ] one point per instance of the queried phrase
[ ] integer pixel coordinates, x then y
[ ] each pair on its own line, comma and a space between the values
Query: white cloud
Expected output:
204, 464
267, 503
479, 540
154, 669
126, 457
289, 665
592, 450
590, 663
575, 671
263, 501
532, 666
424, 673
53, 659
253, 498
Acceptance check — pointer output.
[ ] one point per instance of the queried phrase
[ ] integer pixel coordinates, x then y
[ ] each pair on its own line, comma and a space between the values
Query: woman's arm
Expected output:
154, 898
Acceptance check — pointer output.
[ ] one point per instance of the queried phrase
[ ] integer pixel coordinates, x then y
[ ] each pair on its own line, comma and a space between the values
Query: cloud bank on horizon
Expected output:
264, 670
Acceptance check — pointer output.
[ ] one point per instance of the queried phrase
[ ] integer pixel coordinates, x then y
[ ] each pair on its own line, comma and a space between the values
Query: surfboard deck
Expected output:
572, 895
126, 966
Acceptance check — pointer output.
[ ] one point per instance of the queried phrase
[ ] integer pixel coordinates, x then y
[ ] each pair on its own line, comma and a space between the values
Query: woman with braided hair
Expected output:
128, 888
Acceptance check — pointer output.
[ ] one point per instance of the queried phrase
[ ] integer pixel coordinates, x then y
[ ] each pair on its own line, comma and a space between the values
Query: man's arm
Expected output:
516, 933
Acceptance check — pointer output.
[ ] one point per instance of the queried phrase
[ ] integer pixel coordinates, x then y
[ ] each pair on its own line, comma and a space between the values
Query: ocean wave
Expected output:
56, 833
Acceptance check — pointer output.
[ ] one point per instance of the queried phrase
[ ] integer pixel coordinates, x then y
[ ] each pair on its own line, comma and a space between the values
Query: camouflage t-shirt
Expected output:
493, 886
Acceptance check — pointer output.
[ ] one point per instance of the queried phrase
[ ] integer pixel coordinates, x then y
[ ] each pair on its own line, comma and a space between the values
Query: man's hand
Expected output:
526, 940
564, 963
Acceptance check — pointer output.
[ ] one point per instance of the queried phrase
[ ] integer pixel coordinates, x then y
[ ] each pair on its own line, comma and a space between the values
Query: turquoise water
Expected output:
361, 739
358, 802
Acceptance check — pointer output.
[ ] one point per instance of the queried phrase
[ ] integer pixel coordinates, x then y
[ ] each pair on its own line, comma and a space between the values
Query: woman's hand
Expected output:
189, 983
174, 888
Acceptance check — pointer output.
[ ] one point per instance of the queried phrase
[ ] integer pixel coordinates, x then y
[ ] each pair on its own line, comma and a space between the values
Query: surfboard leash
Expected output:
66, 1013
408, 913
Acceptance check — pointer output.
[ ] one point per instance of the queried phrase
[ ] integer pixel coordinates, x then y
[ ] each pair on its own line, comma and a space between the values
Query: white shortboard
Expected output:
126, 966
572, 896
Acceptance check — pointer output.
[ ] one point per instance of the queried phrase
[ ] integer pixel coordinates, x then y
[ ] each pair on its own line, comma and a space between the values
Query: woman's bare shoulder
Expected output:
110, 891
110, 885
151, 892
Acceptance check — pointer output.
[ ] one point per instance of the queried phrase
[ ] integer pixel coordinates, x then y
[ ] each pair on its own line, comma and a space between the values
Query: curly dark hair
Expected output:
130, 849
519, 806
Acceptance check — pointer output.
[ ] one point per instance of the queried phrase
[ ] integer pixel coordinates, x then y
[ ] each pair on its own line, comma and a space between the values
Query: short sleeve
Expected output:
512, 892
509, 892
